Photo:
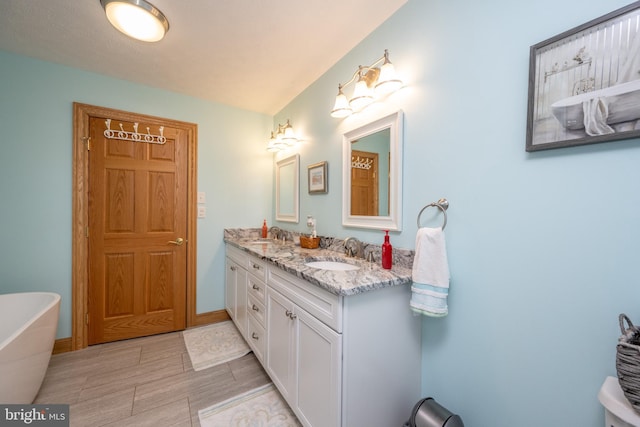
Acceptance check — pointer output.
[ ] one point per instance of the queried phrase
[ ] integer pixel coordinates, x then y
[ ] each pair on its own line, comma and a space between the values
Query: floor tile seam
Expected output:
160, 402
185, 380
104, 396
191, 415
147, 411
106, 421
233, 374
143, 368
158, 358
135, 384
46, 395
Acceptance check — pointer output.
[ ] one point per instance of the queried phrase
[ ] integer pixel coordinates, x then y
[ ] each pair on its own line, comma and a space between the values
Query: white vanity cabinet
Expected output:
256, 300
245, 292
304, 361
339, 361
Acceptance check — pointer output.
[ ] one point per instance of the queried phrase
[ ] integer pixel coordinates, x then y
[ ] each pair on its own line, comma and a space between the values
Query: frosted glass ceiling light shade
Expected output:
388, 81
341, 108
362, 95
138, 19
273, 144
289, 136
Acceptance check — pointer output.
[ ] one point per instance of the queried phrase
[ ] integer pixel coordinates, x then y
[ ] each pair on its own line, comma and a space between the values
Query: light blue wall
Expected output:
542, 247
36, 172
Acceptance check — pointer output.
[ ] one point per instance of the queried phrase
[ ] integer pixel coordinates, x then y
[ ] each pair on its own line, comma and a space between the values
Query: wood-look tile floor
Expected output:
143, 382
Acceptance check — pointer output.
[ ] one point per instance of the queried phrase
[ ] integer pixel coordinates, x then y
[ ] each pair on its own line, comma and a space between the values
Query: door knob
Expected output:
178, 242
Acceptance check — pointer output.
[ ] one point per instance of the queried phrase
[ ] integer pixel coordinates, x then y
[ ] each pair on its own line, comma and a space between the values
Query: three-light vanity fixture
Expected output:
283, 138
138, 19
371, 83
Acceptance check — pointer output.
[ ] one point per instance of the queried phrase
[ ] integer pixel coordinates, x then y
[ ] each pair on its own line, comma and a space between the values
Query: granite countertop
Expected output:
291, 258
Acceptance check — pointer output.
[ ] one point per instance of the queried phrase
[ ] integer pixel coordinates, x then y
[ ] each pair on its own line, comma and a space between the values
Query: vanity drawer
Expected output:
323, 305
237, 255
257, 268
256, 287
256, 309
256, 338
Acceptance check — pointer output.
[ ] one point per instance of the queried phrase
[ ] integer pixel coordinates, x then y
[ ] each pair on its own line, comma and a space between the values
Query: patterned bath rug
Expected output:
260, 407
214, 344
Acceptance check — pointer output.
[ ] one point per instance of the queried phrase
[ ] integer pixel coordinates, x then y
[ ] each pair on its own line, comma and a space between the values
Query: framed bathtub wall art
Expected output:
318, 178
584, 84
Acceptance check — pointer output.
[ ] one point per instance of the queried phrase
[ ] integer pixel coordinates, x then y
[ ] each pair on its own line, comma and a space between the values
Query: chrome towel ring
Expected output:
443, 205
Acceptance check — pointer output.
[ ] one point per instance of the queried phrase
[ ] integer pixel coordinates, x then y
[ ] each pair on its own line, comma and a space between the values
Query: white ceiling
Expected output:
253, 54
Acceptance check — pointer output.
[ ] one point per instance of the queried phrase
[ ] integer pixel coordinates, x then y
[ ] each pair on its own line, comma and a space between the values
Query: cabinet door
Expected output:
280, 349
241, 302
319, 375
230, 280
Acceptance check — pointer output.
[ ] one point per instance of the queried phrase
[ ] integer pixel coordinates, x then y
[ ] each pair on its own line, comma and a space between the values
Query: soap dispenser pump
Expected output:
387, 252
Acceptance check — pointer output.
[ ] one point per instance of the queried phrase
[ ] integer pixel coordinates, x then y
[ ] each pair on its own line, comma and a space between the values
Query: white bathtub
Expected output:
623, 105
28, 324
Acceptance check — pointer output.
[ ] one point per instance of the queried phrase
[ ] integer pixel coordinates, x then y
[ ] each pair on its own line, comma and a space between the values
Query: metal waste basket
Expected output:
429, 413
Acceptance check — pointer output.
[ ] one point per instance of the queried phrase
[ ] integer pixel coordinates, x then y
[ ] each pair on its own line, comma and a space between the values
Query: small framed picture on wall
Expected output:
318, 178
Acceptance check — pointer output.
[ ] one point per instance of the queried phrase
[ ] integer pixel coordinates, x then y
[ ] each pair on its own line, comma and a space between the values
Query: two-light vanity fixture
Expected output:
138, 19
371, 83
283, 138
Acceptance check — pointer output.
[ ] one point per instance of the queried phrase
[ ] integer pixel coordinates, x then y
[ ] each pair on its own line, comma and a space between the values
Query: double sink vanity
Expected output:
335, 334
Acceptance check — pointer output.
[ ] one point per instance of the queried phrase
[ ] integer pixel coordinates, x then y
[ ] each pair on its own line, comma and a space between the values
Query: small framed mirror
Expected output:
372, 174
288, 189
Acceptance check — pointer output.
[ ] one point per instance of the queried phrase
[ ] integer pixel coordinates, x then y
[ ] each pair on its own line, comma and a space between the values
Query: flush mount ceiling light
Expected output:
138, 19
283, 138
371, 83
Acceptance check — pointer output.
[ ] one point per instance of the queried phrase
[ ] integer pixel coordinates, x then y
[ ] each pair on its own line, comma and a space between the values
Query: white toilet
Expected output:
618, 410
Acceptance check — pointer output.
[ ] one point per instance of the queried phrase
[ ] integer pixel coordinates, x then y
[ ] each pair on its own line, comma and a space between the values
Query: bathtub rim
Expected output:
37, 315
614, 90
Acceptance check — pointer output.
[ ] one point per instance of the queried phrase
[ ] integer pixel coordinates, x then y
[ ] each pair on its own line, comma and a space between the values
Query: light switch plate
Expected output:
202, 212
202, 197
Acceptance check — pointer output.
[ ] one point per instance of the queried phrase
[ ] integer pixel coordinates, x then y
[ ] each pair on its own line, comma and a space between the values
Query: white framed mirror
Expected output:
372, 174
288, 189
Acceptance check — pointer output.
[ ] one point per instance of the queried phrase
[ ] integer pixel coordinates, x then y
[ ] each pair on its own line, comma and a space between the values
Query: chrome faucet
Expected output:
349, 242
276, 232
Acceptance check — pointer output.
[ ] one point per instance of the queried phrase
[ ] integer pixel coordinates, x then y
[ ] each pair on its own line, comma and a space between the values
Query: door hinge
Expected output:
86, 319
87, 139
86, 231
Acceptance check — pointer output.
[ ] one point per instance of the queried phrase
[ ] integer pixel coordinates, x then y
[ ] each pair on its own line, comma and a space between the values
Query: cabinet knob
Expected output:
233, 268
255, 336
290, 314
255, 308
256, 266
256, 287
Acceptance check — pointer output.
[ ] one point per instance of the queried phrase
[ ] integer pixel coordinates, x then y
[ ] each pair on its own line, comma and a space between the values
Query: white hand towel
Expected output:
430, 273
596, 112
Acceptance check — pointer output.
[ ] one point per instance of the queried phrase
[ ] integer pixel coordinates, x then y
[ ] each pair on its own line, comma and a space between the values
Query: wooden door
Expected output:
364, 183
137, 234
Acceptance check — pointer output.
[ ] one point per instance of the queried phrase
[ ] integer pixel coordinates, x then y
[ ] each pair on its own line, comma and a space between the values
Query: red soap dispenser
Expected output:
387, 252
265, 231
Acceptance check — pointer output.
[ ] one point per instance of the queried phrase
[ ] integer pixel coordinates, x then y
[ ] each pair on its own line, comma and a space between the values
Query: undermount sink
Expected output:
261, 241
332, 265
